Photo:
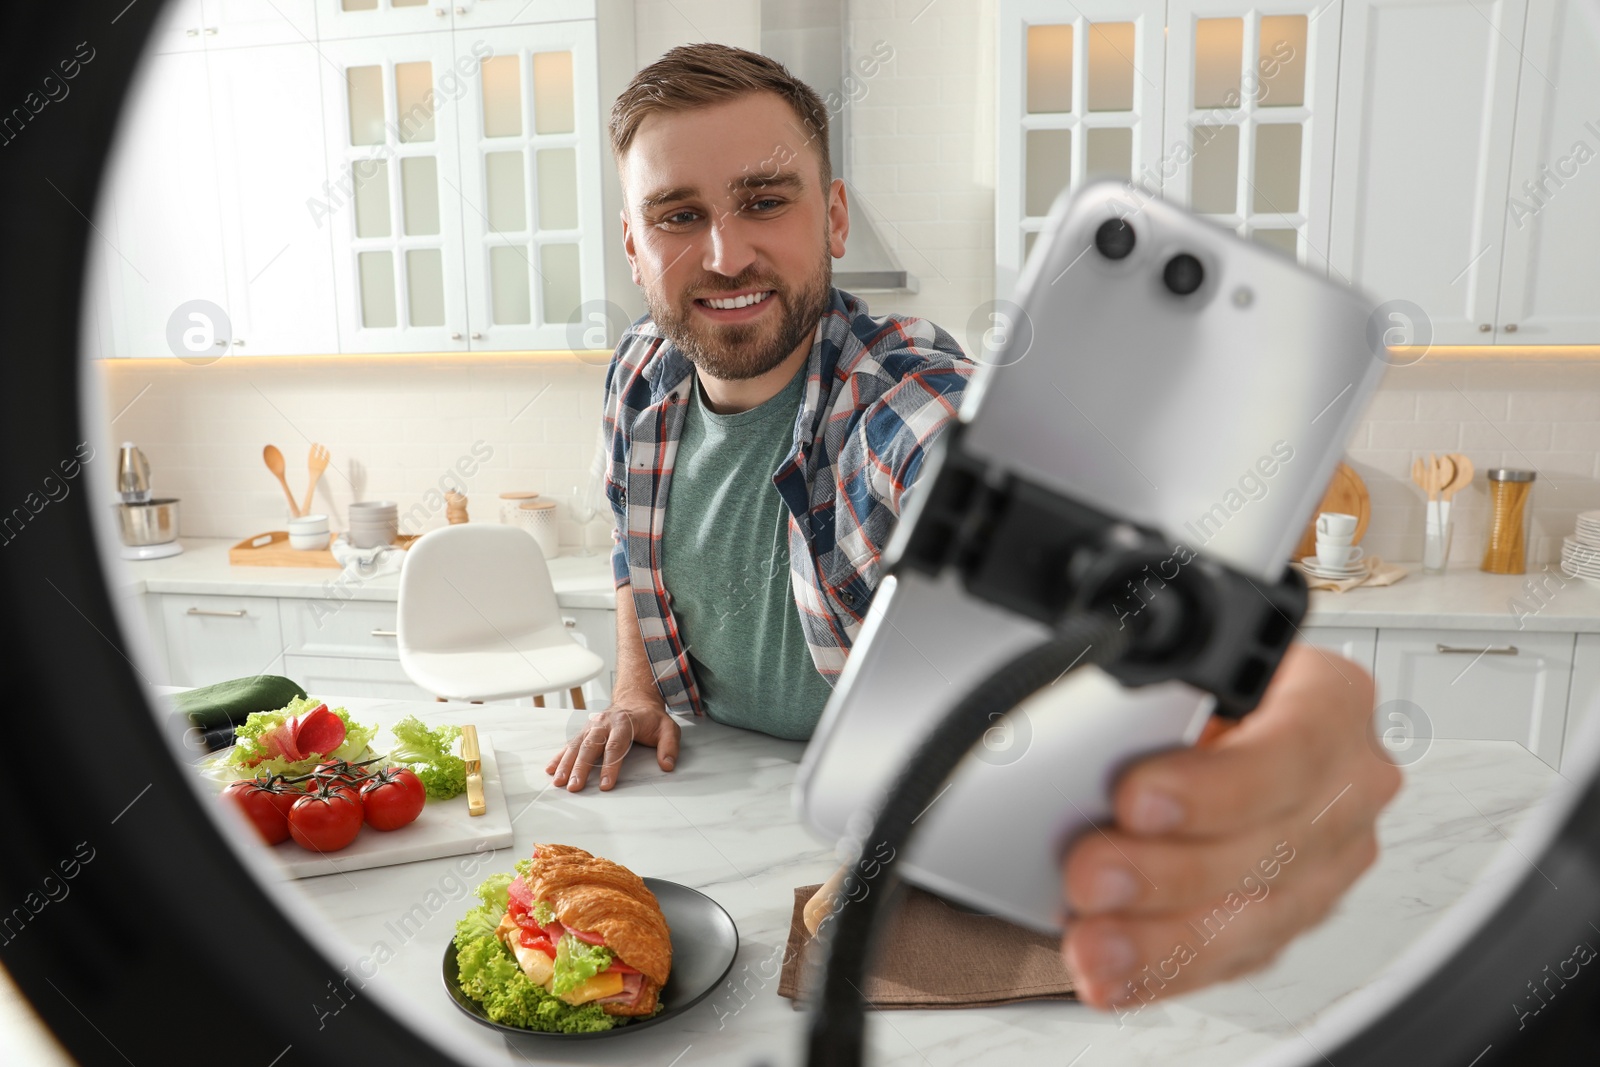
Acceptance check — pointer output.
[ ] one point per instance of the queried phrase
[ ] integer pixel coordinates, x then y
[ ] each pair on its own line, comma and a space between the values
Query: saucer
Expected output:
1317, 570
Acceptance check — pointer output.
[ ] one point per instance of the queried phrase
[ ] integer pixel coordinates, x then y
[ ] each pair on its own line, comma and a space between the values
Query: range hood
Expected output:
809, 39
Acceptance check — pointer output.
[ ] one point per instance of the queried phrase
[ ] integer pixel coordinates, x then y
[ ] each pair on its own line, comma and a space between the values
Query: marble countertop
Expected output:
1463, 598
203, 568
722, 823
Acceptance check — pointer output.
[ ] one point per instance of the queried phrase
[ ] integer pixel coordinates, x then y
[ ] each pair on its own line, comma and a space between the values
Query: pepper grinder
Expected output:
1506, 546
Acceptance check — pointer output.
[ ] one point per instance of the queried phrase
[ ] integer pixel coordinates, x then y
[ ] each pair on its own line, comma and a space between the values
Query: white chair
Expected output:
478, 619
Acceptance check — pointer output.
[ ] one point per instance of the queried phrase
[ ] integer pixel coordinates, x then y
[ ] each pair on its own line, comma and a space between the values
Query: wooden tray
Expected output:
1347, 494
275, 552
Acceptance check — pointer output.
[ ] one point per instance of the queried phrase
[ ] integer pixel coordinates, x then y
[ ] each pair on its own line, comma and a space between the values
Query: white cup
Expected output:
1337, 557
1337, 524
1329, 539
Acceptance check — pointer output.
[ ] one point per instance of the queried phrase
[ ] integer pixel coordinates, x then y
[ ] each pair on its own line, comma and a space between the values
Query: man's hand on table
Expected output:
608, 735
1221, 854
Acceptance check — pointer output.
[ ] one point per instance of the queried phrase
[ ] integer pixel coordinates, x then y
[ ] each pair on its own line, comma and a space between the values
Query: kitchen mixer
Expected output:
148, 526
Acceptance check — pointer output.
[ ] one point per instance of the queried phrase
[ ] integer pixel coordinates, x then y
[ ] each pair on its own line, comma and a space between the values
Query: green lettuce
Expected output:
248, 744
576, 963
543, 913
427, 753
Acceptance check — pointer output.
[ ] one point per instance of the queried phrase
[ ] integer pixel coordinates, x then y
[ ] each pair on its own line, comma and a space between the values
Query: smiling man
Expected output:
763, 429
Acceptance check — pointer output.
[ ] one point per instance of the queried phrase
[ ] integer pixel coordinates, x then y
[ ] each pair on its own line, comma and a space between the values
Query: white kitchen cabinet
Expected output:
164, 217
344, 19
596, 629
215, 638
1585, 692
531, 185
363, 629
247, 23
1249, 118
472, 14
1481, 684
180, 27
1552, 258
1357, 643
1427, 102
393, 106
332, 677
271, 164
1079, 96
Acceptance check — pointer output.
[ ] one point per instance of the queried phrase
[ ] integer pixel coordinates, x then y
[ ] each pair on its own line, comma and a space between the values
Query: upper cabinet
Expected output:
1424, 150
1250, 105
1080, 97
1552, 221
468, 187
329, 176
1427, 99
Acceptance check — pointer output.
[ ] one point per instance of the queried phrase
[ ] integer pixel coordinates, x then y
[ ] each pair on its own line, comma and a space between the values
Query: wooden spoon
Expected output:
1441, 471
316, 463
1463, 476
1418, 475
274, 461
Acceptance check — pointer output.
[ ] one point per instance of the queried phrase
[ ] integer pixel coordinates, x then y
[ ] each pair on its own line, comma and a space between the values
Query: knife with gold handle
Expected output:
474, 759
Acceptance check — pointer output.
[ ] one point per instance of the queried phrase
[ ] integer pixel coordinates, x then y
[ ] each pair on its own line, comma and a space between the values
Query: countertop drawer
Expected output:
1478, 685
215, 638
360, 628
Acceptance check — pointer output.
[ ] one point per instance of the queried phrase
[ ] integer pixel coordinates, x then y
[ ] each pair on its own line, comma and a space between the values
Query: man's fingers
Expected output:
667, 744
1109, 871
617, 745
1123, 961
564, 760
1272, 764
590, 749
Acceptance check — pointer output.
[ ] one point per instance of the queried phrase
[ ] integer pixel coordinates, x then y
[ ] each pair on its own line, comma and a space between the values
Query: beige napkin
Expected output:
927, 958
1377, 573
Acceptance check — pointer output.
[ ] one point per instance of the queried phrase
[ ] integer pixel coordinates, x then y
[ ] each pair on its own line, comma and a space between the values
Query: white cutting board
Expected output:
443, 829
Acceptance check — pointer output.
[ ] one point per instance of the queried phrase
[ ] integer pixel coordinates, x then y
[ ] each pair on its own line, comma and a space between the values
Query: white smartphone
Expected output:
1160, 369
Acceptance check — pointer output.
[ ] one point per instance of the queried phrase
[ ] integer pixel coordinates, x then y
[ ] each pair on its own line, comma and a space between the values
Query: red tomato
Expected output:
535, 939
260, 802
325, 821
393, 798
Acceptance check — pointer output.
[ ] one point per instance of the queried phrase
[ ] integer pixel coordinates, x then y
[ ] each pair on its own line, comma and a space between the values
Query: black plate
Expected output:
704, 942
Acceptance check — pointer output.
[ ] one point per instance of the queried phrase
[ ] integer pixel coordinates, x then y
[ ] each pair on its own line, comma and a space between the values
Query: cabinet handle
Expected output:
1492, 650
1511, 327
386, 633
439, 11
477, 336
222, 344
241, 613
1484, 327
211, 31
455, 337
461, 11
191, 33
239, 342
571, 624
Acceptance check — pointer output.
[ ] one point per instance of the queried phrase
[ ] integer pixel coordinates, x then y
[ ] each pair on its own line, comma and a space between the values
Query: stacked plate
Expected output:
374, 523
1580, 553
1314, 567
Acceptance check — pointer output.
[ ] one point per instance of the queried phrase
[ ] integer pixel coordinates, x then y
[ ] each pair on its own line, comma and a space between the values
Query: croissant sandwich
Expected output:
587, 930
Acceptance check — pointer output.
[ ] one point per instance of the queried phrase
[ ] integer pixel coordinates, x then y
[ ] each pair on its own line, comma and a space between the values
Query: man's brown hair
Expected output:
700, 75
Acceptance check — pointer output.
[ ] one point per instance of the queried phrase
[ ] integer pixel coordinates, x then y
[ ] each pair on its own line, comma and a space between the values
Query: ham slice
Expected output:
632, 986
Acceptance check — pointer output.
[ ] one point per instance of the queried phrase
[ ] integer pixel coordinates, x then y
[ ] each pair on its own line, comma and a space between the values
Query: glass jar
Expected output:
1505, 549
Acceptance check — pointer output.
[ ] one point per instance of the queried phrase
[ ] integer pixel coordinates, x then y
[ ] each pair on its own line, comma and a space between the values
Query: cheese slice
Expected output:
535, 964
604, 984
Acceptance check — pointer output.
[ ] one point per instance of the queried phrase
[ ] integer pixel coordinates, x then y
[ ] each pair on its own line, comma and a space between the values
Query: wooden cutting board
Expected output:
1346, 494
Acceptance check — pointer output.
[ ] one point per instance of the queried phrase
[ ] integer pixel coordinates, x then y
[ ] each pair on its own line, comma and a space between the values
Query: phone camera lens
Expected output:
1114, 239
1183, 274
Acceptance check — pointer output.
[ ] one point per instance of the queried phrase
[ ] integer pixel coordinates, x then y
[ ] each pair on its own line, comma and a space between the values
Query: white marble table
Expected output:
722, 822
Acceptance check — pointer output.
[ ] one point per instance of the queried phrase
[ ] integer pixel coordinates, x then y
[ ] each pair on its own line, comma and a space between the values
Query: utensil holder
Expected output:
1436, 539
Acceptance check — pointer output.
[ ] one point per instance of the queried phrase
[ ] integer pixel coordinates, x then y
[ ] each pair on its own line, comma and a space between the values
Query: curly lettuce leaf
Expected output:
427, 753
576, 963
543, 913
242, 760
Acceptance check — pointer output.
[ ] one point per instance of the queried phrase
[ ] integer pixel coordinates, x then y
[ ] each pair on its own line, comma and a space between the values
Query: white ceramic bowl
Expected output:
373, 507
308, 542
309, 524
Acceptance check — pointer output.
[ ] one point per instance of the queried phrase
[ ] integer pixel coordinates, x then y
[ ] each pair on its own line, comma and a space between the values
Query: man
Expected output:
763, 429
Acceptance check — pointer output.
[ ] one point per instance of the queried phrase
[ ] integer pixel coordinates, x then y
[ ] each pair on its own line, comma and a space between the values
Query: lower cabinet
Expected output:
331, 647
1480, 684
1352, 642
214, 638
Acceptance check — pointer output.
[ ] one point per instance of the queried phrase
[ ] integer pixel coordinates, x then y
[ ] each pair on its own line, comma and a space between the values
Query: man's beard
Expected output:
742, 351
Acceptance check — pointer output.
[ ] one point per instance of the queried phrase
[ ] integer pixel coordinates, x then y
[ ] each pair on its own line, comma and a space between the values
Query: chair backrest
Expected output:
472, 585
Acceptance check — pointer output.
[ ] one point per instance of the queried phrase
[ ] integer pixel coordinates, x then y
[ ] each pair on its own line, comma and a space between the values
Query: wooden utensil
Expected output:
316, 463
274, 461
1463, 477
1346, 494
1443, 471
1419, 474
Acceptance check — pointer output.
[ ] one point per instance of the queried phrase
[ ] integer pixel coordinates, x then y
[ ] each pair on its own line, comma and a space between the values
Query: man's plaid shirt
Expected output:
878, 390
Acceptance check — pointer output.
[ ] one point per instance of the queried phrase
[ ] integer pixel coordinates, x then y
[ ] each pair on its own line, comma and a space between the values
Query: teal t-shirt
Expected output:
725, 563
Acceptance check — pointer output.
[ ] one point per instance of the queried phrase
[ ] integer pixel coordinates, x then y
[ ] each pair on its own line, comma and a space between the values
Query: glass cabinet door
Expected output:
530, 185
342, 19
394, 105
1079, 98
1249, 118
